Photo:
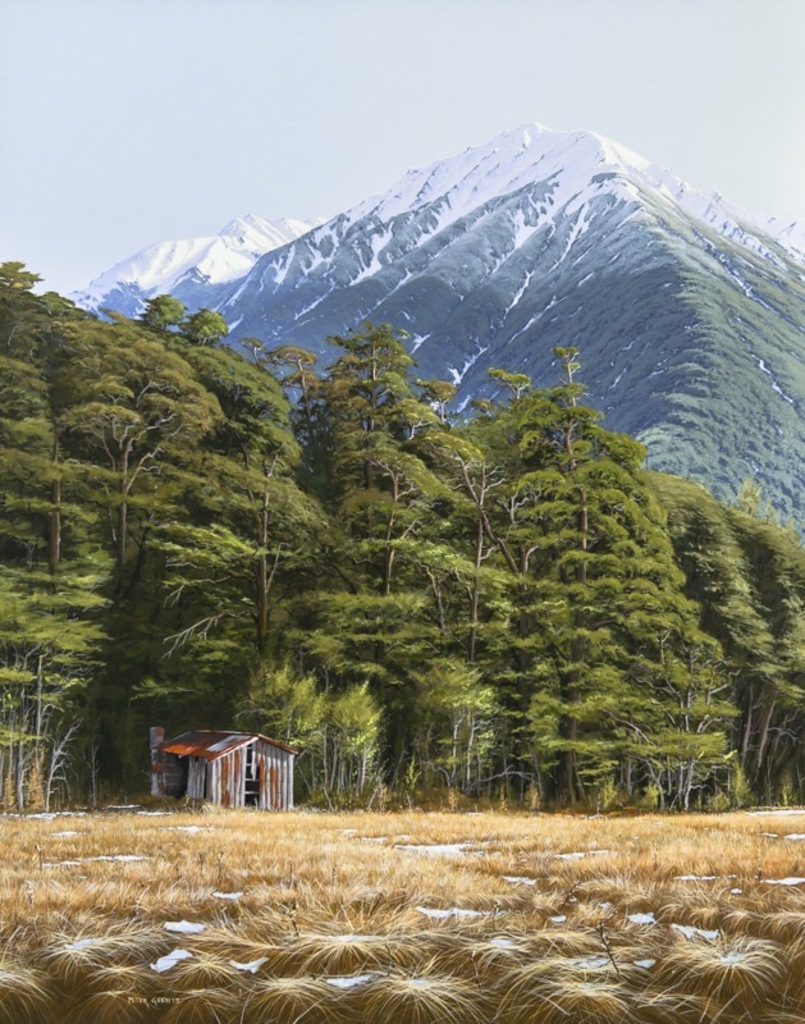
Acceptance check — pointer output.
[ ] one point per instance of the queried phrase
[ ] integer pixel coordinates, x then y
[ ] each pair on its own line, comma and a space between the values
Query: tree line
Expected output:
507, 604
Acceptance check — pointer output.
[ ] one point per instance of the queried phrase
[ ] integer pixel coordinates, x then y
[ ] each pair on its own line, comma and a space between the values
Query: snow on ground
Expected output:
227, 895
349, 981
185, 927
170, 960
692, 933
192, 829
436, 849
779, 811
590, 963
82, 944
442, 914
252, 967
125, 858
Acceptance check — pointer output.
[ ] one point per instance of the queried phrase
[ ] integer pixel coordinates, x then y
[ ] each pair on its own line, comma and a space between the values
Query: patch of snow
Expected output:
378, 243
779, 811
519, 880
125, 858
784, 881
49, 815
569, 856
647, 918
695, 878
558, 919
252, 967
691, 933
185, 927
644, 963
458, 375
350, 981
82, 944
795, 835
436, 849
192, 829
590, 963
775, 386
441, 915
67, 834
170, 960
227, 895
501, 943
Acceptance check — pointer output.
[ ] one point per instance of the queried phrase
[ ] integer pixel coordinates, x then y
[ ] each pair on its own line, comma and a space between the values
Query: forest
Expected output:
504, 604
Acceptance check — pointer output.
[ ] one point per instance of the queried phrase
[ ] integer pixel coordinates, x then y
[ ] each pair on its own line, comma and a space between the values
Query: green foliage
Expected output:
509, 604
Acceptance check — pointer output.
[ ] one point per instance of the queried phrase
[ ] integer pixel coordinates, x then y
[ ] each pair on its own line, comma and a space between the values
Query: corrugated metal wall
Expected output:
225, 780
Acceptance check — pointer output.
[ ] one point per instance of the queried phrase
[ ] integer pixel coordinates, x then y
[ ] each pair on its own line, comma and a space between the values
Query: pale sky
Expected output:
127, 122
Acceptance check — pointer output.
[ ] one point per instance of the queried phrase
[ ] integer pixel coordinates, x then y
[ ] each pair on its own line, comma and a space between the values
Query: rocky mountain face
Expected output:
688, 312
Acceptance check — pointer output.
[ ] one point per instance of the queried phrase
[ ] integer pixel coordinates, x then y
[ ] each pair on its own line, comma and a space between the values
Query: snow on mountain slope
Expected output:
214, 260
571, 161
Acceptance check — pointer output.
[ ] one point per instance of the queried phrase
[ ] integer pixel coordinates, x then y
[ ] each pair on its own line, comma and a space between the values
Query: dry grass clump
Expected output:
110, 1006
203, 1006
538, 995
24, 994
287, 1000
350, 953
426, 997
740, 969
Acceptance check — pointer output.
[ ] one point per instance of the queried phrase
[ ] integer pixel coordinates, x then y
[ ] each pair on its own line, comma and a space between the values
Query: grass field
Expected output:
410, 918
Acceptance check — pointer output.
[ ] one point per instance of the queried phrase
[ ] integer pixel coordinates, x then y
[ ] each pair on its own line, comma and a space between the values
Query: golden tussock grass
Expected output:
411, 918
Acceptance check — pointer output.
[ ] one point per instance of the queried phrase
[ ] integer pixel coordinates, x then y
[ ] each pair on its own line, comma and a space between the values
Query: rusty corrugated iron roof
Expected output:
212, 743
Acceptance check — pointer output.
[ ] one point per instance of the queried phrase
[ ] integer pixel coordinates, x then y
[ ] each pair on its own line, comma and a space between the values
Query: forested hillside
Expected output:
507, 606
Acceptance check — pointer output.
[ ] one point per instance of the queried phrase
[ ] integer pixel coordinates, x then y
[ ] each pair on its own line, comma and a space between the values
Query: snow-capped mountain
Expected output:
688, 312
192, 268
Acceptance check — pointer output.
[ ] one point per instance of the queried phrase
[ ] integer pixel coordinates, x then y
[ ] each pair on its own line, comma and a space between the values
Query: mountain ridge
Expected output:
688, 312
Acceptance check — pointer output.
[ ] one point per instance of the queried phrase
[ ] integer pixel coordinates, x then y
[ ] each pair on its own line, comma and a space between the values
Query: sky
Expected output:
127, 122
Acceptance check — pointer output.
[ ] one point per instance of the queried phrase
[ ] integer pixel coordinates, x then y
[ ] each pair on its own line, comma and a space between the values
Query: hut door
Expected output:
251, 796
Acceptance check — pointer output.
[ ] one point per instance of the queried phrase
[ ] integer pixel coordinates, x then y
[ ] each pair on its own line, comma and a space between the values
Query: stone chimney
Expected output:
157, 735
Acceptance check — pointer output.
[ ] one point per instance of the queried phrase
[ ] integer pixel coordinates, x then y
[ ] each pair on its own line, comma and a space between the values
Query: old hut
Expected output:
234, 769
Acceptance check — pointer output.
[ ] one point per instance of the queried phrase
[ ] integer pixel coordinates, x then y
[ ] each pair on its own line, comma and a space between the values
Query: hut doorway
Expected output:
251, 794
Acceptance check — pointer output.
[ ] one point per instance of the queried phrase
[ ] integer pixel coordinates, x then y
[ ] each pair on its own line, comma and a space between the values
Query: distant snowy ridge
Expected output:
213, 260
